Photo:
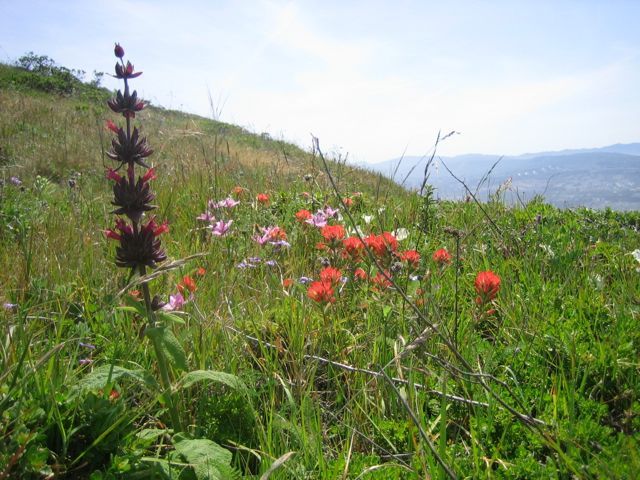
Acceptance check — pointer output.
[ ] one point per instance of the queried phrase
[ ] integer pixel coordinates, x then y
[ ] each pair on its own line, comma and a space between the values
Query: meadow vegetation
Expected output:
323, 323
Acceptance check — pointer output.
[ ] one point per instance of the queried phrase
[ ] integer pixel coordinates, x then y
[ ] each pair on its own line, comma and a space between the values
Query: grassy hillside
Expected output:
402, 365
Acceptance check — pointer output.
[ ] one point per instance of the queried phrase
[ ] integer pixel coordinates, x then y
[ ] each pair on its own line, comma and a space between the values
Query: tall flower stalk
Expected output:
139, 246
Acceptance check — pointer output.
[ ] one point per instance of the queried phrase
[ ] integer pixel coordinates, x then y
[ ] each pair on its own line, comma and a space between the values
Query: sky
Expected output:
373, 80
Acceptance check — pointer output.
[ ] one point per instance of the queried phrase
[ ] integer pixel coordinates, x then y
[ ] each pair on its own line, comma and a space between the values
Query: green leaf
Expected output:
209, 460
212, 376
170, 346
169, 317
104, 374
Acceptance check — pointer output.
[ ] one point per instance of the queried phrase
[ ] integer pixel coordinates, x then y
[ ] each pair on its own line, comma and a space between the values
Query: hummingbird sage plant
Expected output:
137, 233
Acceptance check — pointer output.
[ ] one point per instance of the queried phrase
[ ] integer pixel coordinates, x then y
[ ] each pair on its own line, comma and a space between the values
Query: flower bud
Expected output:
118, 51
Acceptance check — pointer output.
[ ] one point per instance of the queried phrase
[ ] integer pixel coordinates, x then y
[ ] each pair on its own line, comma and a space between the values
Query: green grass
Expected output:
562, 346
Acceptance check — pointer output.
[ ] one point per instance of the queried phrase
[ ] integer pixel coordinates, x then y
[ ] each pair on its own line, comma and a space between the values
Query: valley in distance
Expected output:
598, 178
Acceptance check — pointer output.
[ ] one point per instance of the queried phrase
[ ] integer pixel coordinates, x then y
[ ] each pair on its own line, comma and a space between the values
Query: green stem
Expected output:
162, 361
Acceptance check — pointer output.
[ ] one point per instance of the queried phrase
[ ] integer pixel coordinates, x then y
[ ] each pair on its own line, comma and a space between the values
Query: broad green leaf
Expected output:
149, 434
170, 346
99, 377
169, 317
211, 376
209, 460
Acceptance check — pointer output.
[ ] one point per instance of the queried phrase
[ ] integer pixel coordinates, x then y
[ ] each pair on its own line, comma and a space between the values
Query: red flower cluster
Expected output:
321, 292
487, 286
382, 245
333, 234
302, 215
411, 257
263, 198
353, 248
441, 256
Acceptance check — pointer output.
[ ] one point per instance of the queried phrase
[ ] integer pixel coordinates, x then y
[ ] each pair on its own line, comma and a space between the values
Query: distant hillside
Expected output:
596, 178
52, 124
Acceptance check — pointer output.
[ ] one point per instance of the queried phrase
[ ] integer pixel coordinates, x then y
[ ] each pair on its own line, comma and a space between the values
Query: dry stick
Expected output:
529, 421
475, 199
450, 473
485, 177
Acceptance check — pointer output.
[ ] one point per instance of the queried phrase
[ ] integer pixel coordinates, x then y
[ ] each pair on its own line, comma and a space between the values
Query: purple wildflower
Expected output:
15, 181
226, 203
206, 217
10, 306
87, 345
318, 219
175, 302
220, 229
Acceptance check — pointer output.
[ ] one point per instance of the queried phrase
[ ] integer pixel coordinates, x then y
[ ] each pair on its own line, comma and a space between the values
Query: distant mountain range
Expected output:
591, 177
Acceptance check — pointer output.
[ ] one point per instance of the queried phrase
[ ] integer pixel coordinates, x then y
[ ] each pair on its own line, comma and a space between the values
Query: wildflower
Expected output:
175, 302
129, 150
238, 190
126, 104
401, 233
226, 203
15, 181
206, 217
305, 280
12, 307
382, 281
390, 241
87, 345
263, 198
138, 248
487, 285
114, 394
411, 257
187, 284
220, 229
441, 256
333, 234
321, 292
353, 247
303, 215
85, 361
360, 274
112, 126
118, 51
331, 275
201, 271
273, 235
271, 263
132, 199
347, 202
330, 212
287, 283
319, 219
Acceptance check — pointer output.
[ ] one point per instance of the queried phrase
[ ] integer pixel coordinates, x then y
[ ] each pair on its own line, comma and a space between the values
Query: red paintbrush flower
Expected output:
487, 286
331, 275
411, 257
321, 292
441, 256
333, 234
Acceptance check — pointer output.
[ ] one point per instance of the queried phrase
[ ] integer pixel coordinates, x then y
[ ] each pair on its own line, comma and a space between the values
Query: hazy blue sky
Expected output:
369, 78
